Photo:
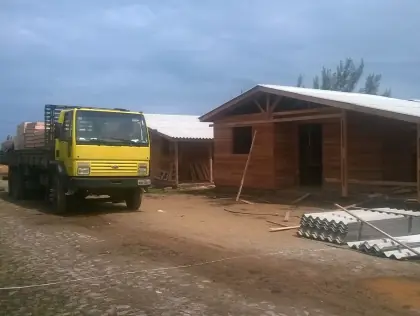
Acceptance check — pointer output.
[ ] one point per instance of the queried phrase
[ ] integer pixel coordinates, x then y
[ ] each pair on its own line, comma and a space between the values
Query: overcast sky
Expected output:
188, 56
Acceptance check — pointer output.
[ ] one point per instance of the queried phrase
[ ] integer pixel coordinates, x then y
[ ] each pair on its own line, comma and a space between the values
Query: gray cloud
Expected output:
189, 56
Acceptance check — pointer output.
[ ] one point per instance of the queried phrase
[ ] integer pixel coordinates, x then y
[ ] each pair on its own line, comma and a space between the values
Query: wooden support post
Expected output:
211, 162
176, 164
418, 162
344, 155
267, 103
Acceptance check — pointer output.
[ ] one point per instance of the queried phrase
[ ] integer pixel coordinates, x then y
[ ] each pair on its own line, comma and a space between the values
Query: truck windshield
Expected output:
111, 128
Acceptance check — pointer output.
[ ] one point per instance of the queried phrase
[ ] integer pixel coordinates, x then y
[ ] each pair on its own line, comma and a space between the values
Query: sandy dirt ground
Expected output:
183, 254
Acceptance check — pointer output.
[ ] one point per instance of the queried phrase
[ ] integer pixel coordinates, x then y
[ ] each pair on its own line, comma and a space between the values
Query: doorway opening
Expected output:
310, 154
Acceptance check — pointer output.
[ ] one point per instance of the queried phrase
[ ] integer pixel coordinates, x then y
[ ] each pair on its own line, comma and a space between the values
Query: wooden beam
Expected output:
267, 103
211, 162
286, 119
418, 161
176, 163
305, 111
274, 105
259, 106
373, 182
344, 156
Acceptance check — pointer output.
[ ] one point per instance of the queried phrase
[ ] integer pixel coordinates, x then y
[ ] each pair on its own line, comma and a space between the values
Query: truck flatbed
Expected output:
35, 157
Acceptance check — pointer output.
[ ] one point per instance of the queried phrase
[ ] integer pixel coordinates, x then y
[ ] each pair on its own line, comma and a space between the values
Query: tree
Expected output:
345, 78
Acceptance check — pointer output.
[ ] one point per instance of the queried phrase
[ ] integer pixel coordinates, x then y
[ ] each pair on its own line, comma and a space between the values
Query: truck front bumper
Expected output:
108, 182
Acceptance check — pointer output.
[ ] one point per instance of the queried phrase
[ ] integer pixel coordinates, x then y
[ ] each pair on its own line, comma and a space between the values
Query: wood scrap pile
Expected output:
165, 175
30, 135
199, 172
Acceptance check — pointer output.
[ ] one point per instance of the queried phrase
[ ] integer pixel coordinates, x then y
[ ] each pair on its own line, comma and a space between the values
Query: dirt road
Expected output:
184, 255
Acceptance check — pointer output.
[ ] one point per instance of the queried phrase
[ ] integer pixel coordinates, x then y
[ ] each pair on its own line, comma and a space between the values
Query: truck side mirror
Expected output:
57, 130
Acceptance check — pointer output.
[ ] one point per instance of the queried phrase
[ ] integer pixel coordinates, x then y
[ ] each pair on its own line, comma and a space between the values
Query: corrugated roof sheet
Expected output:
179, 126
404, 110
371, 103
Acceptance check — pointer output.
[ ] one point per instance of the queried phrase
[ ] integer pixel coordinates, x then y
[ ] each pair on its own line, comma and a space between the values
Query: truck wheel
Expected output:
17, 185
59, 197
81, 195
134, 198
10, 183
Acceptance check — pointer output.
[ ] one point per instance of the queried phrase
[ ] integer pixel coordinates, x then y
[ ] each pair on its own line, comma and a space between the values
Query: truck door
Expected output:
66, 141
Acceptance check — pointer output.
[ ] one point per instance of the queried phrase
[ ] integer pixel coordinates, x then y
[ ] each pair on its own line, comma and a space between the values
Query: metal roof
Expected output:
179, 126
404, 110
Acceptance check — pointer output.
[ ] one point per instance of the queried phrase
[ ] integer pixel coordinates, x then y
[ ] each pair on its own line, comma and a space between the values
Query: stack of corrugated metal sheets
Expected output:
386, 247
340, 227
30, 135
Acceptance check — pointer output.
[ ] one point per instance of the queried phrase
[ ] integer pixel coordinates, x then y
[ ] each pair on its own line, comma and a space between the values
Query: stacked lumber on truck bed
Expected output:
29, 135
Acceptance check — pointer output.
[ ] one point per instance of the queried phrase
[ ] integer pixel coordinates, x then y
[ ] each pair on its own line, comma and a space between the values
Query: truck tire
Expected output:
17, 184
134, 199
20, 185
59, 197
10, 183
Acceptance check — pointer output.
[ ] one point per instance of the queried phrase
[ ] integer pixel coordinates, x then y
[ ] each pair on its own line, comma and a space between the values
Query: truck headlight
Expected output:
142, 170
83, 169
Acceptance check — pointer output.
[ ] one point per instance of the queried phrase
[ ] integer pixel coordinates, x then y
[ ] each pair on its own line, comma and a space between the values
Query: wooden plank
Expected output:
280, 120
304, 111
274, 106
246, 167
344, 166
373, 182
259, 106
279, 229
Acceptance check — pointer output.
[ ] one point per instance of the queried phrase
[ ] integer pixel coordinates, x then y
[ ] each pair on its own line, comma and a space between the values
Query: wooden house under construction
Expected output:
181, 150
306, 137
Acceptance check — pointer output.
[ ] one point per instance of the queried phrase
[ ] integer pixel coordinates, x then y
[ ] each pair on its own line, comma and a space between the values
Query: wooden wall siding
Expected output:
228, 167
159, 160
379, 149
286, 155
331, 154
155, 155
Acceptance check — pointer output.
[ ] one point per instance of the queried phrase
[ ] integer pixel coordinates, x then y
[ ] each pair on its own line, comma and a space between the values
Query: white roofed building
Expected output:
181, 149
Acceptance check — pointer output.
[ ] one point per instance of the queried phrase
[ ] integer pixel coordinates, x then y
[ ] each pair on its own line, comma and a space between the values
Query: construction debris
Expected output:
249, 213
279, 229
294, 206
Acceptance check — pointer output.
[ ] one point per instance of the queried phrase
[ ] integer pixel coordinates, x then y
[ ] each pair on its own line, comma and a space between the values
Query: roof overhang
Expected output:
230, 105
179, 139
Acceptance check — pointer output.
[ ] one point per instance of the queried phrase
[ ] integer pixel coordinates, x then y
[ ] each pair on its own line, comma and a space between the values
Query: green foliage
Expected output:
345, 78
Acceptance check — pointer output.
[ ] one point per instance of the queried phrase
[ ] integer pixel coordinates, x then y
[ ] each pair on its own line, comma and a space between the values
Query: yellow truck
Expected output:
88, 151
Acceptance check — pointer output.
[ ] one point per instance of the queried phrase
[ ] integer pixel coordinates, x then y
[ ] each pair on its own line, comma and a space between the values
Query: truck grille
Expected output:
113, 168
